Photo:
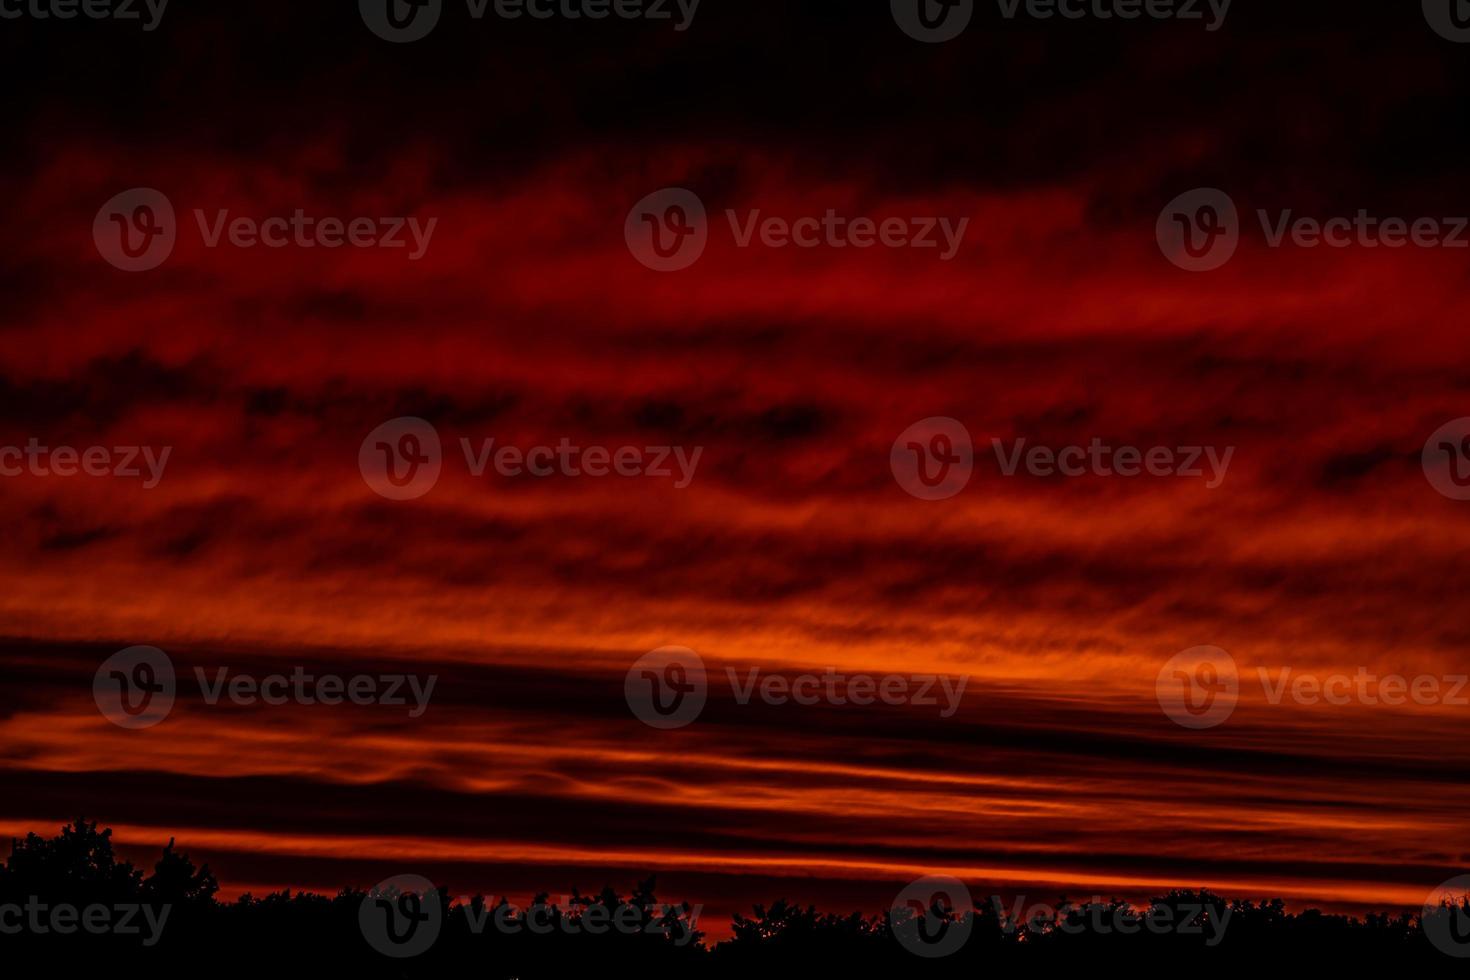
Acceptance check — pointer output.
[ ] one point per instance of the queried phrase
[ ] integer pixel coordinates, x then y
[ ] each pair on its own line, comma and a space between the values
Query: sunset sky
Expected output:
527, 320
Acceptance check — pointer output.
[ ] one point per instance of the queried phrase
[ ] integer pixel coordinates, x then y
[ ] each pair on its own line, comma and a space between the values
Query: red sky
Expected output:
1324, 551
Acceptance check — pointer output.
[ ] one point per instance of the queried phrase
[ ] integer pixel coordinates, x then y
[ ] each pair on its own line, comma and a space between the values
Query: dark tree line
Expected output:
288, 934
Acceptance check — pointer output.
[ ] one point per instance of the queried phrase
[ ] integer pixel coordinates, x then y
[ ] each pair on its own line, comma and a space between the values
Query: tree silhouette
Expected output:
290, 933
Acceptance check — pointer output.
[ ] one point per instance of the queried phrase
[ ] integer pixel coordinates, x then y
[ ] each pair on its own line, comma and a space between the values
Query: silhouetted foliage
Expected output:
288, 934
